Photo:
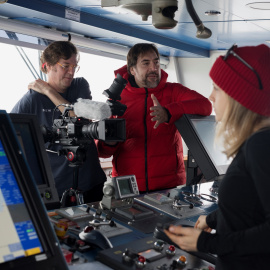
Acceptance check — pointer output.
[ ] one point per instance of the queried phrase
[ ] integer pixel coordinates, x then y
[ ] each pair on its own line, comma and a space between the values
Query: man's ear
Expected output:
48, 67
132, 71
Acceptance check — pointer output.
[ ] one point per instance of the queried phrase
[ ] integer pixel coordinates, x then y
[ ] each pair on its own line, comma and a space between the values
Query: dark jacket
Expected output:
90, 173
242, 222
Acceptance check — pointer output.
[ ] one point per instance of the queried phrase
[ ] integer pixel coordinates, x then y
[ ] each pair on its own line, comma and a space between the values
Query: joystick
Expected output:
94, 237
160, 234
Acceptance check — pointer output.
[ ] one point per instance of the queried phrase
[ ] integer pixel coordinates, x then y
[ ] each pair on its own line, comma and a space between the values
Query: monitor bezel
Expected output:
133, 187
196, 147
51, 248
43, 160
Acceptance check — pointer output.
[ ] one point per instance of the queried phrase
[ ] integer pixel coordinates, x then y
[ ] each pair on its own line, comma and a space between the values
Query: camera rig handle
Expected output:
76, 155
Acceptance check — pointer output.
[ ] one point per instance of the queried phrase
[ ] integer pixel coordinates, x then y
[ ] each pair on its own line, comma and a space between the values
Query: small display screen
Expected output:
150, 254
124, 186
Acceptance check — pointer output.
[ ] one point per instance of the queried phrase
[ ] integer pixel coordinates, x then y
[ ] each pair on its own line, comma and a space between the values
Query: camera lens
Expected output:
91, 130
106, 130
115, 90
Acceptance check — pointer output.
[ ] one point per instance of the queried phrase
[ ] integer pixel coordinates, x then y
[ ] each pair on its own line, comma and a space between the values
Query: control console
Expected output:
150, 253
160, 234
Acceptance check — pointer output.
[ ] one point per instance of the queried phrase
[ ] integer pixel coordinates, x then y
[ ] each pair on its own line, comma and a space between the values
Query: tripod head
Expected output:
71, 197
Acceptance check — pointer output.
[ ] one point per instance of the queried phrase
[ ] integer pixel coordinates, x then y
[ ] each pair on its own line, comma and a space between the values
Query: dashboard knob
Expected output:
182, 260
140, 262
171, 250
159, 245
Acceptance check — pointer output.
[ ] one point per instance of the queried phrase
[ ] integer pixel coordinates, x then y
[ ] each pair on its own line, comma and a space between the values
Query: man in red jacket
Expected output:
153, 149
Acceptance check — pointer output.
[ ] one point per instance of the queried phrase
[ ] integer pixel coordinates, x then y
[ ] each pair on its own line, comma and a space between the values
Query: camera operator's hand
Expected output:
44, 88
160, 114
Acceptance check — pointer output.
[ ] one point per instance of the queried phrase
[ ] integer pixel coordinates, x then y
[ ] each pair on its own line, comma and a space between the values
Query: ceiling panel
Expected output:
237, 23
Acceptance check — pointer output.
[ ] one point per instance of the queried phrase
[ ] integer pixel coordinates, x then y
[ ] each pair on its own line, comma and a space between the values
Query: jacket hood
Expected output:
124, 73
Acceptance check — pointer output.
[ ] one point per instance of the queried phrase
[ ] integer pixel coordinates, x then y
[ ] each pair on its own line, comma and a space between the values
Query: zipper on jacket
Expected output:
145, 140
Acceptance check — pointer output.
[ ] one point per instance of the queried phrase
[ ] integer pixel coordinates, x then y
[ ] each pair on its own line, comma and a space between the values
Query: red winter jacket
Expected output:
154, 156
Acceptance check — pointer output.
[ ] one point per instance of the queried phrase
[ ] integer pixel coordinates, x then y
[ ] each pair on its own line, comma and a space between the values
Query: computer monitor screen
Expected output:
27, 237
32, 144
198, 132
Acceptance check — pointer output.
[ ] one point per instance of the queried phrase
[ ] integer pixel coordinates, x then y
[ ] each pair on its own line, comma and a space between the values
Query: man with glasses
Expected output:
60, 62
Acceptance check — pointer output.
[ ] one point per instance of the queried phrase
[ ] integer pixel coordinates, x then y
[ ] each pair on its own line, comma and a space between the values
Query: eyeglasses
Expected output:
67, 67
231, 51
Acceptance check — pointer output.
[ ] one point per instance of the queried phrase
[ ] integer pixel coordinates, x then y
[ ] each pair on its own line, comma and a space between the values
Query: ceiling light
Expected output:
259, 5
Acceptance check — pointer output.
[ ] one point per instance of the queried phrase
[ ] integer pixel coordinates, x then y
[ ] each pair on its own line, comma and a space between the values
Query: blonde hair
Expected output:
237, 125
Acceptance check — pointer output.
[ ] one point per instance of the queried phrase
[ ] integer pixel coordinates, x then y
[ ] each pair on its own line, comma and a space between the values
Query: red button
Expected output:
88, 229
141, 259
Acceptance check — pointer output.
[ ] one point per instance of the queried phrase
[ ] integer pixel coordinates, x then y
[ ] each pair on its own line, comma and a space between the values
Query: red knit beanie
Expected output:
240, 82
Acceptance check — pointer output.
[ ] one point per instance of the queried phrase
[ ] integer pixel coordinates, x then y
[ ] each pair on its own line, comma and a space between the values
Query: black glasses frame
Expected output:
231, 51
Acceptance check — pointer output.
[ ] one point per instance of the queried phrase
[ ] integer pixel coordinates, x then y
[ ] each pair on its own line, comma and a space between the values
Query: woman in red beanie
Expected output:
241, 100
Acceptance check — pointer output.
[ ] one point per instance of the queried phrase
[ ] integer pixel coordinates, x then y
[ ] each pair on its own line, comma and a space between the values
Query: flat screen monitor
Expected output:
28, 240
32, 143
198, 132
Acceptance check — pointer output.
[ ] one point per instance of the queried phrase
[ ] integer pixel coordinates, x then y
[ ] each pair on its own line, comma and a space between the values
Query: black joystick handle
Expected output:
160, 234
129, 256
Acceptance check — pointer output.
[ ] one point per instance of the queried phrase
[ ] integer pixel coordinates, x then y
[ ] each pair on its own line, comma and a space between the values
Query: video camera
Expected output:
74, 134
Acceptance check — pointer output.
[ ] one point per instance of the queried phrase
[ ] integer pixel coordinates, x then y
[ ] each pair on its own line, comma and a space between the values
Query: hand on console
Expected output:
201, 224
185, 238
160, 233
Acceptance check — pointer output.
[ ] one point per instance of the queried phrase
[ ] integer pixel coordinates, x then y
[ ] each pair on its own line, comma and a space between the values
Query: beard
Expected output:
152, 82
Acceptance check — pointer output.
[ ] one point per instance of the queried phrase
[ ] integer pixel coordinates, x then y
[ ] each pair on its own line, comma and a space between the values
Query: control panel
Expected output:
185, 202
119, 188
128, 233
150, 253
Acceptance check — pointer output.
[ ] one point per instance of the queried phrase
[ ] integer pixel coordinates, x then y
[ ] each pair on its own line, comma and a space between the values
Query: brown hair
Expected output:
55, 51
136, 51
237, 125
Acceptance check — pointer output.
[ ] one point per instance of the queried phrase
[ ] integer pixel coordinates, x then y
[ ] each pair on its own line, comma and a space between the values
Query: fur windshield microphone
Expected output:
92, 110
